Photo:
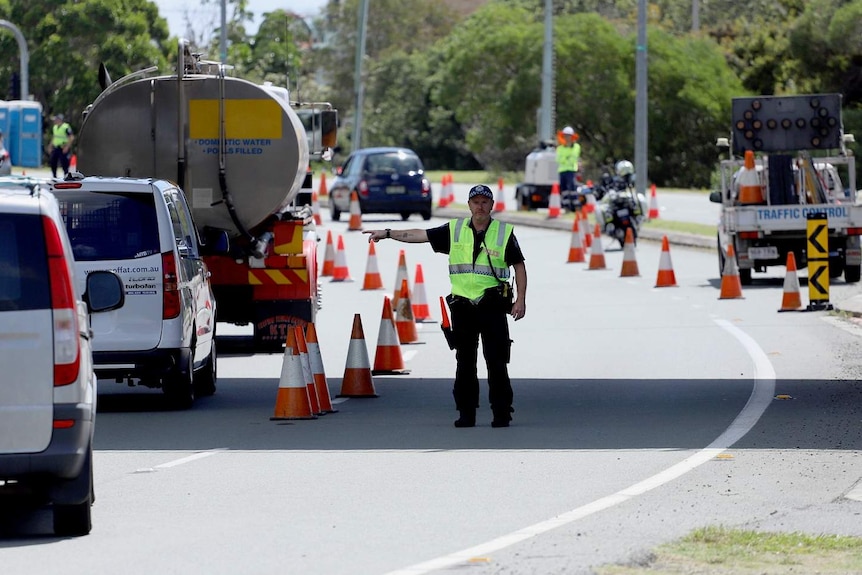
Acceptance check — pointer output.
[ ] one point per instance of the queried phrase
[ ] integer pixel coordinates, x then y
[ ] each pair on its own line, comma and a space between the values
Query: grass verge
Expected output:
685, 227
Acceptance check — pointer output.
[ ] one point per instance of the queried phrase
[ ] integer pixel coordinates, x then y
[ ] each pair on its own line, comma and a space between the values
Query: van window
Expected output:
110, 226
23, 263
184, 231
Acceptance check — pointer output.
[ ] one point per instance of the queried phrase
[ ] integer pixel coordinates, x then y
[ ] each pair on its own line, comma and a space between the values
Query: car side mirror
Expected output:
104, 292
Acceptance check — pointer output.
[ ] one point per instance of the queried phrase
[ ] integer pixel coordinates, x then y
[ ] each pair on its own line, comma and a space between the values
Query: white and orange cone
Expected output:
318, 373
421, 310
372, 278
576, 249
731, 285
450, 198
666, 276
322, 190
597, 253
444, 192
653, 204
401, 274
387, 357
404, 322
328, 256
586, 236
306, 369
630, 263
357, 380
292, 401
500, 201
791, 300
355, 222
315, 209
554, 202
340, 273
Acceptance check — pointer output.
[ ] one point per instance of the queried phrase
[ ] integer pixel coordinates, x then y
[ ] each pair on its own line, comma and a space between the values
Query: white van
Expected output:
47, 384
142, 229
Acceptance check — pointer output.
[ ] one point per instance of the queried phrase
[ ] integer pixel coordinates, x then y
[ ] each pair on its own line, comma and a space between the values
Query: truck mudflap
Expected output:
853, 251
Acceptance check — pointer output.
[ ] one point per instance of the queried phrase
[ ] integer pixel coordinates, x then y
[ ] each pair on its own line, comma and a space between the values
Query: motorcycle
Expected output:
620, 207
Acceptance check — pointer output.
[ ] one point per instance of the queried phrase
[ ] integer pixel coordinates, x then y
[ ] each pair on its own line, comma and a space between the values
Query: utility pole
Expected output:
223, 38
641, 140
546, 118
357, 81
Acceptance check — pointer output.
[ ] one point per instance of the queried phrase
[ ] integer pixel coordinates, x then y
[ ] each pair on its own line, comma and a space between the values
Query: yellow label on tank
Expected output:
243, 119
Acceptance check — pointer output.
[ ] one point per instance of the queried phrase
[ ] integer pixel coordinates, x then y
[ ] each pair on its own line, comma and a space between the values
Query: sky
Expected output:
209, 15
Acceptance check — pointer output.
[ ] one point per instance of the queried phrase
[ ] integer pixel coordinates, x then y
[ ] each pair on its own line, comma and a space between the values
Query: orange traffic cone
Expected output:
750, 186
317, 372
792, 299
731, 285
500, 202
444, 192
421, 311
328, 256
400, 276
340, 273
554, 203
590, 205
653, 204
630, 264
450, 199
306, 369
315, 209
387, 358
576, 250
404, 322
322, 190
357, 380
372, 274
292, 401
666, 277
73, 163
355, 223
586, 236
597, 253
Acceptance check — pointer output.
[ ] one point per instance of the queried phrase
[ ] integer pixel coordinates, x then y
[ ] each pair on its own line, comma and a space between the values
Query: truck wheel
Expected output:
75, 520
745, 277
851, 274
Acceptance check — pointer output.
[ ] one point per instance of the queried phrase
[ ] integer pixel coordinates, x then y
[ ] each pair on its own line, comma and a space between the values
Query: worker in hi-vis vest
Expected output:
568, 156
61, 145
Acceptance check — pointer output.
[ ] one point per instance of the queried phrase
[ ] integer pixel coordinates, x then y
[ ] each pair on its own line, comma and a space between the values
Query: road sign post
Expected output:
818, 262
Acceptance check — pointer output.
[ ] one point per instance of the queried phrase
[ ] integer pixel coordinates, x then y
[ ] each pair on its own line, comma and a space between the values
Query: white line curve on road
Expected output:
760, 398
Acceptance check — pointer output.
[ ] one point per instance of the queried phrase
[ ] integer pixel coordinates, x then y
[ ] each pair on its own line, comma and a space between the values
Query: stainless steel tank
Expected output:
132, 130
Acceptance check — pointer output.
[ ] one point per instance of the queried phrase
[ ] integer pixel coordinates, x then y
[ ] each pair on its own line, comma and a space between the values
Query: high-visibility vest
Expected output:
568, 157
470, 280
61, 135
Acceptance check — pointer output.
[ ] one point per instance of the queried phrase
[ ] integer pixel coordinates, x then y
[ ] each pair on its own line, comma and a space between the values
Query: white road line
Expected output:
760, 398
855, 493
190, 458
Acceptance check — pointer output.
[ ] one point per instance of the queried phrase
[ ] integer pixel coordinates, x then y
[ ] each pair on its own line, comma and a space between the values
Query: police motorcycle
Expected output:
620, 207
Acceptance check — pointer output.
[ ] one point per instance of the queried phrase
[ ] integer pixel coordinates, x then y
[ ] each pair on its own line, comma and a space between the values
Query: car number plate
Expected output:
763, 253
395, 189
623, 212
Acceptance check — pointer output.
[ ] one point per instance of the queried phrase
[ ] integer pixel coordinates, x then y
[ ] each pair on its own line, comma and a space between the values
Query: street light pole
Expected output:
25, 58
357, 81
641, 140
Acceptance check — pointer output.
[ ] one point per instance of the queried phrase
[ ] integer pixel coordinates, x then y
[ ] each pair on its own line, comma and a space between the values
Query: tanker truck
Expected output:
241, 154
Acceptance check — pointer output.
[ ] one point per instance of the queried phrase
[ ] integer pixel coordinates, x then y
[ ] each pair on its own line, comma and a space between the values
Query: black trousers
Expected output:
59, 159
488, 320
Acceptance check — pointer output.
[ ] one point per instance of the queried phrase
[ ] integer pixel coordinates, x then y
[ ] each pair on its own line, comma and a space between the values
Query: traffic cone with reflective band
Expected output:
400, 276
73, 163
404, 322
630, 263
451, 197
731, 285
653, 204
421, 310
443, 201
355, 223
306, 369
387, 357
315, 209
597, 253
372, 274
315, 359
292, 401
357, 380
328, 256
665, 277
576, 250
322, 190
586, 236
590, 203
340, 273
500, 202
750, 187
792, 298
554, 202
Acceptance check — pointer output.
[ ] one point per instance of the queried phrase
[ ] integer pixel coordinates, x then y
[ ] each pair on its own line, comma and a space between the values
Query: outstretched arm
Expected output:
414, 236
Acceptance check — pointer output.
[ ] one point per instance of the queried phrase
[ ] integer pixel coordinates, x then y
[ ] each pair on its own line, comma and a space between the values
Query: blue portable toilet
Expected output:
4, 121
25, 133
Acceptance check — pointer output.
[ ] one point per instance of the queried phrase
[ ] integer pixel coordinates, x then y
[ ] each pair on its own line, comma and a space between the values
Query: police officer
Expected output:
481, 251
568, 158
61, 145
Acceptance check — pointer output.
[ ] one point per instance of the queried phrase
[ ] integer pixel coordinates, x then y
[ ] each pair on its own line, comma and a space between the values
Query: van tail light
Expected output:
170, 287
67, 348
426, 187
362, 188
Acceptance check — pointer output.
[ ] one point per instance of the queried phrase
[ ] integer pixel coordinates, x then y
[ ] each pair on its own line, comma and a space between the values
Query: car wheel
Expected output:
405, 216
75, 520
205, 380
179, 387
426, 214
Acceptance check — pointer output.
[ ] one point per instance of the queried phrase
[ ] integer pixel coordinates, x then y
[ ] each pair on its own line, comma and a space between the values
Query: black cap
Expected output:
480, 190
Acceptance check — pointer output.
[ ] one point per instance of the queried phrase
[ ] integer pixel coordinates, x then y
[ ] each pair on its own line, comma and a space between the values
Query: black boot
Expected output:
467, 419
502, 418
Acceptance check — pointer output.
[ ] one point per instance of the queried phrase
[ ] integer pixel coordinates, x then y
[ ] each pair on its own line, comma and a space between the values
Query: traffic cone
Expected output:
317, 372
372, 274
322, 190
73, 163
792, 299
328, 256
597, 253
357, 380
750, 187
421, 311
340, 273
554, 201
653, 204
630, 264
404, 322
500, 202
315, 209
306, 369
292, 401
387, 357
586, 236
450, 199
576, 250
444, 192
400, 276
590, 205
666, 277
355, 223
731, 285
